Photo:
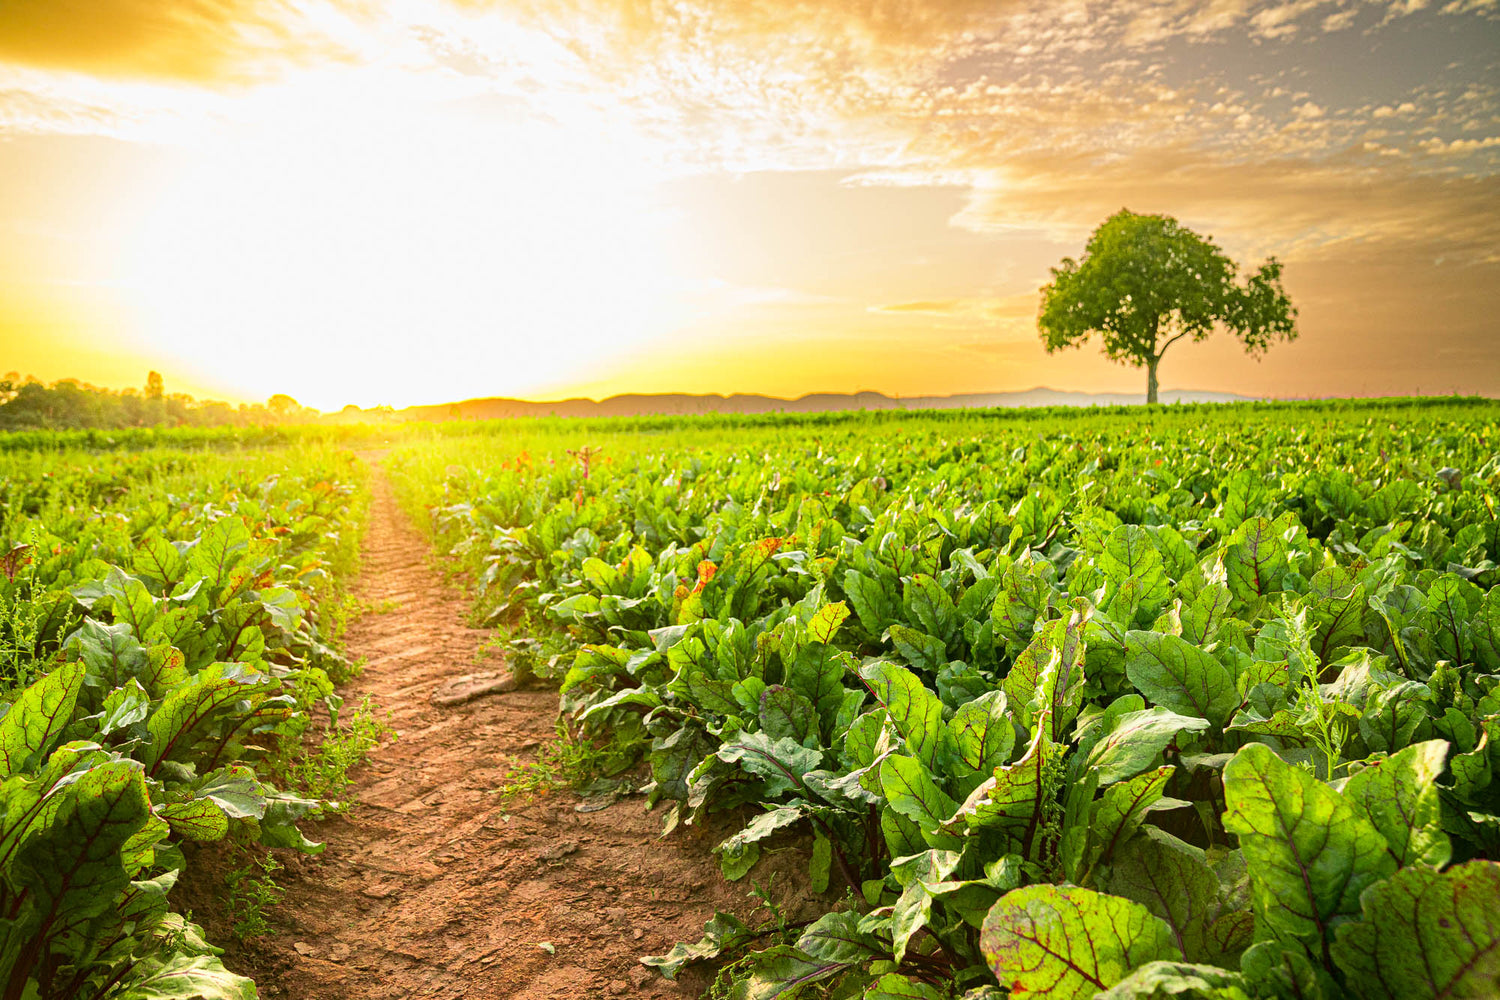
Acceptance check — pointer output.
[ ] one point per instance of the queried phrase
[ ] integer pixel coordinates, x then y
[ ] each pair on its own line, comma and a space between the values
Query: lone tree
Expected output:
1145, 282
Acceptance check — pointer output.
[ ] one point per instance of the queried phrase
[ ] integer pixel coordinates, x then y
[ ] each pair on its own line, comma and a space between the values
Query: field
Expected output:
1197, 701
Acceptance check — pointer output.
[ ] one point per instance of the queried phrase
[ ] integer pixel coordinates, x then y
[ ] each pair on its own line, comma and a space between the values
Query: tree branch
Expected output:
1169, 343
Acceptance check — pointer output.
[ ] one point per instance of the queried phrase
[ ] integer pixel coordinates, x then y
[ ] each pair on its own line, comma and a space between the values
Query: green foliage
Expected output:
569, 760
68, 403
252, 891
163, 638
1146, 281
322, 772
1062, 704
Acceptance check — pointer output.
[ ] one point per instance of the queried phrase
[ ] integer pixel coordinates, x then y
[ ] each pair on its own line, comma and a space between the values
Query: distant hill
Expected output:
672, 404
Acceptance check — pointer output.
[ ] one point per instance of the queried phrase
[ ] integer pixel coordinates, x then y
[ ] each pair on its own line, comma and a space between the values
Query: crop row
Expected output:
159, 639
1188, 705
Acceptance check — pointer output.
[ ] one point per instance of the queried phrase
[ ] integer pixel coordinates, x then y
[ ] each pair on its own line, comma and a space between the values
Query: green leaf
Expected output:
38, 717
781, 763
735, 862
124, 707
902, 836
825, 623
910, 790
1209, 610
1178, 675
1063, 942
185, 977
1121, 811
983, 734
70, 863
1399, 796
786, 714
235, 790
278, 827
865, 738
1255, 559
184, 716
835, 937
817, 674
22, 796
1424, 935
1025, 595
198, 819
1309, 853
764, 825
1133, 565
782, 971
1174, 881
916, 712
1048, 676
913, 910
1180, 980
874, 602
722, 932
1287, 972
1136, 740
924, 652
821, 865
894, 986
110, 652
1012, 799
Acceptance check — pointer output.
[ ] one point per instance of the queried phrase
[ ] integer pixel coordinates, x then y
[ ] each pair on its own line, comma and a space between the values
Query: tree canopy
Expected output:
29, 404
1146, 281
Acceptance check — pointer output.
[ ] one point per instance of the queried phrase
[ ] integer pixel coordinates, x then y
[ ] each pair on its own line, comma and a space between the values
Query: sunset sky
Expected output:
359, 201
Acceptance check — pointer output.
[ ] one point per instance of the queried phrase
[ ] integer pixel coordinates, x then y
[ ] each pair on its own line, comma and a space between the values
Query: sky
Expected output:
416, 201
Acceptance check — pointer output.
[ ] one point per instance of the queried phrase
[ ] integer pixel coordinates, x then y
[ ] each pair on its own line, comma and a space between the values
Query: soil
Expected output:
431, 886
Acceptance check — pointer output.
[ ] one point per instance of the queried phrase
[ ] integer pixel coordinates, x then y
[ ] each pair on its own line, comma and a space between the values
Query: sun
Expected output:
404, 254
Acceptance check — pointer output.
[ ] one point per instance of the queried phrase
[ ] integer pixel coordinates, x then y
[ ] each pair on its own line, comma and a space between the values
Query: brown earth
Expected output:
431, 887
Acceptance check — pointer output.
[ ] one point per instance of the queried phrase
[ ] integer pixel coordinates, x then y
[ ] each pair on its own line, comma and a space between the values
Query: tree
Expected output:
1146, 281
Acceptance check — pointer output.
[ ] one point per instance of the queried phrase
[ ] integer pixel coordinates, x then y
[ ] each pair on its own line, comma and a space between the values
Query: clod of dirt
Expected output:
379, 891
559, 851
597, 802
304, 949
470, 686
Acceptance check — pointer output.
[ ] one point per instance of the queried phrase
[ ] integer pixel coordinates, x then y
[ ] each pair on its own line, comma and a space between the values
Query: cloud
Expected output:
198, 41
1456, 147
1291, 207
940, 307
1014, 313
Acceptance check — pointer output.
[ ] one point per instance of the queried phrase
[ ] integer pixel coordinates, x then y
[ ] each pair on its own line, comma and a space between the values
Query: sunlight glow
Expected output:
404, 254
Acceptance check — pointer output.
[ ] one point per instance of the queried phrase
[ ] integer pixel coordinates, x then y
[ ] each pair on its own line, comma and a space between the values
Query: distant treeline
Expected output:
68, 404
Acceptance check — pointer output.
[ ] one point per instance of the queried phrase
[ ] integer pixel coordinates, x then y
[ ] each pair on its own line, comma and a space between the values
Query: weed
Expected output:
733, 980
253, 890
567, 761
341, 614
776, 920
323, 773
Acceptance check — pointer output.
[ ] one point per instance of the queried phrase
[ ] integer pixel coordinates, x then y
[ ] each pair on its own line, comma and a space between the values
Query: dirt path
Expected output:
427, 889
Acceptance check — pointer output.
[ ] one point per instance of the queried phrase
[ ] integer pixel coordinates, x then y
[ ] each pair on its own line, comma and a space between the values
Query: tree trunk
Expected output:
1151, 380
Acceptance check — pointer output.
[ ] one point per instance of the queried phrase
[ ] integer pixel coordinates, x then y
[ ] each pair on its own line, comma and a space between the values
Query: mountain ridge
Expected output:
685, 404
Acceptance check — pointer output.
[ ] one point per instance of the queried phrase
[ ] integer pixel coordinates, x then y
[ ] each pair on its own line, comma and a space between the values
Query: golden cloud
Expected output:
200, 41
